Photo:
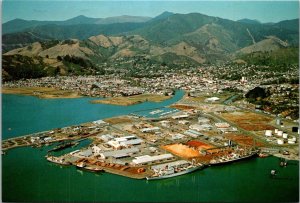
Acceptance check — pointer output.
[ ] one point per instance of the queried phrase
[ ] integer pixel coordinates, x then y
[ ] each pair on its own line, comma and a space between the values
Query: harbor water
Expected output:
27, 176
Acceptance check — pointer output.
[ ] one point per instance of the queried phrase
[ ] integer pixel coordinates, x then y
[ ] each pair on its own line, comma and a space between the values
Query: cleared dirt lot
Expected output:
182, 150
249, 121
117, 120
182, 107
243, 140
199, 145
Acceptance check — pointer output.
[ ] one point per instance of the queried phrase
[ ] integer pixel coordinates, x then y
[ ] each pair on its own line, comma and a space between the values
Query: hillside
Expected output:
173, 40
18, 25
281, 58
200, 31
266, 45
20, 39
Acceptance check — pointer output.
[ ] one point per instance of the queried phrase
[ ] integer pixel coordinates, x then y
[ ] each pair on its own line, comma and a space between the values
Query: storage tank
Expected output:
279, 133
285, 135
268, 133
280, 141
278, 121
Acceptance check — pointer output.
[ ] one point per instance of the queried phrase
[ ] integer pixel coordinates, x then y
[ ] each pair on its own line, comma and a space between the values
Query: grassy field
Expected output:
41, 92
126, 101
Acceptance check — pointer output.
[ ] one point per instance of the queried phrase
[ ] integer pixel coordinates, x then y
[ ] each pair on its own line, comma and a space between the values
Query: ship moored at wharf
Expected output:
57, 160
173, 169
63, 146
236, 155
91, 168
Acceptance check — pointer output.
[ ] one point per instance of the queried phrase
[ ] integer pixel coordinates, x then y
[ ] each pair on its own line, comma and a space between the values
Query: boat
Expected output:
169, 173
273, 172
93, 168
283, 162
80, 164
63, 146
56, 160
236, 157
263, 155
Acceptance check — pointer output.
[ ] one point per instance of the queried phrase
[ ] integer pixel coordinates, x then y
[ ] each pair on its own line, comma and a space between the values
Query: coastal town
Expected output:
150, 101
198, 131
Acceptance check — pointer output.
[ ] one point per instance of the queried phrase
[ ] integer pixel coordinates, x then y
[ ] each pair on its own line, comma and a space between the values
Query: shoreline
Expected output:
42, 92
131, 100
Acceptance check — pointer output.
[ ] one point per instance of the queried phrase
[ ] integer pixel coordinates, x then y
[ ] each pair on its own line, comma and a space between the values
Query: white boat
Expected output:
170, 174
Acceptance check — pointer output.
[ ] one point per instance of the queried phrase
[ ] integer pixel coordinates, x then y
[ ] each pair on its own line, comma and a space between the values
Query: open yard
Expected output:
117, 120
182, 150
243, 140
199, 145
249, 121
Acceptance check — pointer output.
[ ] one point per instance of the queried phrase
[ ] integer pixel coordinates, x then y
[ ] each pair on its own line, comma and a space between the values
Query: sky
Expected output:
264, 11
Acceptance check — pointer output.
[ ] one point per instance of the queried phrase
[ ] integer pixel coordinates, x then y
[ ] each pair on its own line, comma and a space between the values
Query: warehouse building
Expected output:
149, 159
119, 153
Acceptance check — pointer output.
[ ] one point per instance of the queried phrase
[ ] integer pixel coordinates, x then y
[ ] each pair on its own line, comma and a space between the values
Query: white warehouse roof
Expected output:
147, 158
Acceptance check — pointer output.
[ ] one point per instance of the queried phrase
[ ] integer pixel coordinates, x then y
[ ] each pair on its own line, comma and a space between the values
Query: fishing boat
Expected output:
173, 172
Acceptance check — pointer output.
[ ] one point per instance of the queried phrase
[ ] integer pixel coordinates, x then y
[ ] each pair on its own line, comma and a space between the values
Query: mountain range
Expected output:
169, 38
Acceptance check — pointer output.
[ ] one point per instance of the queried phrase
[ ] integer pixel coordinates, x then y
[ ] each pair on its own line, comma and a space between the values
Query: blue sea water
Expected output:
27, 114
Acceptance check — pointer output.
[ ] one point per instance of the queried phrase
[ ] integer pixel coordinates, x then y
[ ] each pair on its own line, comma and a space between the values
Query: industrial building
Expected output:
100, 123
192, 133
148, 159
147, 130
180, 116
119, 153
212, 99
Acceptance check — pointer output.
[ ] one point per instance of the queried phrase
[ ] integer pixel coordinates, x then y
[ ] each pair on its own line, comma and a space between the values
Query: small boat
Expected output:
263, 155
283, 163
80, 165
273, 172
